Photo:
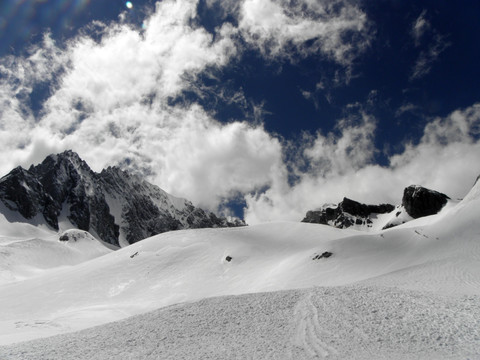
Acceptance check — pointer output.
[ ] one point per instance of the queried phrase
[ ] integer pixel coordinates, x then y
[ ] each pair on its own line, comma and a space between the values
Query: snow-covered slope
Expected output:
412, 291
28, 251
344, 323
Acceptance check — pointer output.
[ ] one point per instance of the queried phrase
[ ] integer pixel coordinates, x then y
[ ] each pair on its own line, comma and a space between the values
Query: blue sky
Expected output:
267, 107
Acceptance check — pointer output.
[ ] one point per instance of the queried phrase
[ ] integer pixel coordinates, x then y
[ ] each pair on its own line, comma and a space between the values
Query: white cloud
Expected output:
337, 29
338, 155
405, 108
419, 27
425, 35
18, 77
428, 57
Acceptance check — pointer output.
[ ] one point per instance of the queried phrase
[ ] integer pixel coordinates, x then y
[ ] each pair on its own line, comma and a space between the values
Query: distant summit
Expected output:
118, 208
417, 202
346, 214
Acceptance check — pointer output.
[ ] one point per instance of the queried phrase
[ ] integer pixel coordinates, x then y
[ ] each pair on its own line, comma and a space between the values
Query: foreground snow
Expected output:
350, 322
408, 292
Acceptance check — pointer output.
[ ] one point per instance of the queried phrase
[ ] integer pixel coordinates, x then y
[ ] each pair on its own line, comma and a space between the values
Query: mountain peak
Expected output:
113, 205
68, 158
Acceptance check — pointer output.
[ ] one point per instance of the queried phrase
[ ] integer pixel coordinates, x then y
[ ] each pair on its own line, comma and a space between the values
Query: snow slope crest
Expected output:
474, 193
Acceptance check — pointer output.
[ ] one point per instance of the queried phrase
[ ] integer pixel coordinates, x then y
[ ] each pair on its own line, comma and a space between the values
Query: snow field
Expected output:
346, 322
410, 292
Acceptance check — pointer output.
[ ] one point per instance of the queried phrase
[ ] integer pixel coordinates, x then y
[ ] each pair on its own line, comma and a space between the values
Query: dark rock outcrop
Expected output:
419, 201
324, 255
346, 214
110, 204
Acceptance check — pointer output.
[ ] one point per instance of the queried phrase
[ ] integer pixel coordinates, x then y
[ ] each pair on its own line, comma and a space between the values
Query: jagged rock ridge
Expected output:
346, 214
113, 205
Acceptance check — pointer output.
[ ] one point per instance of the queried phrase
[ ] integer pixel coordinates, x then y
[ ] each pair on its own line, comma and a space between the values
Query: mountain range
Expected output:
119, 208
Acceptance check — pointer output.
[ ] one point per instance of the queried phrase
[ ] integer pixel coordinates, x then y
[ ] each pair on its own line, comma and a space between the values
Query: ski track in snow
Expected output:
348, 322
307, 340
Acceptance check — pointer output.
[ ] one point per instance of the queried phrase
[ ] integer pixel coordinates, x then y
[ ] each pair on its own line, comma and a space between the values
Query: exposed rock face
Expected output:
419, 201
112, 204
22, 192
145, 210
346, 214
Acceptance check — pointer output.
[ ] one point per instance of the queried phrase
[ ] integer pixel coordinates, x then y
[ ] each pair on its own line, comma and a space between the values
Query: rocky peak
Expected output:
112, 205
346, 214
419, 201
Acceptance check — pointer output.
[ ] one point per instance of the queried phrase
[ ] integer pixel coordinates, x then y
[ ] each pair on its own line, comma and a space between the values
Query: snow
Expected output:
347, 322
115, 207
28, 251
409, 292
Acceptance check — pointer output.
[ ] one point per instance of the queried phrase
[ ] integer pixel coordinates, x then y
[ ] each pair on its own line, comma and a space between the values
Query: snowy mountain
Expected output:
118, 208
263, 292
271, 291
417, 202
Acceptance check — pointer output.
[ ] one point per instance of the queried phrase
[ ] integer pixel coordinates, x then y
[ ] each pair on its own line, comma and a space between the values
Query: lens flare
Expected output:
129, 5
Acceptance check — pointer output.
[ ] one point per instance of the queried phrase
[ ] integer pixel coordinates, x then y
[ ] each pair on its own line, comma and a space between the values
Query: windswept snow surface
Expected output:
346, 322
28, 250
410, 292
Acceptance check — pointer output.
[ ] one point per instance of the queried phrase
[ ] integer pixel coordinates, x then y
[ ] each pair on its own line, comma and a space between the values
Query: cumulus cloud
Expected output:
445, 159
338, 155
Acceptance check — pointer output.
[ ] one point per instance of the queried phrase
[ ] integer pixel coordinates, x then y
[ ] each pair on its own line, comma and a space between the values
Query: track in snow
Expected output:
347, 322
308, 332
